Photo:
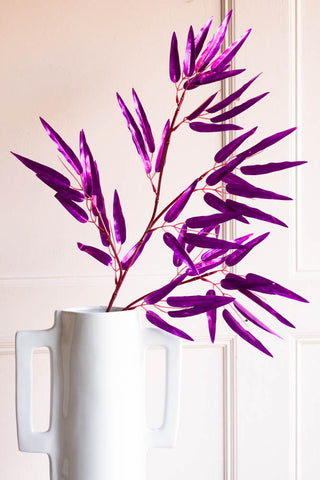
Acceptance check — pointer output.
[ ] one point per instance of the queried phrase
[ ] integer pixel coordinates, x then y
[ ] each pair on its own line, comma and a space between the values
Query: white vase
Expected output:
98, 425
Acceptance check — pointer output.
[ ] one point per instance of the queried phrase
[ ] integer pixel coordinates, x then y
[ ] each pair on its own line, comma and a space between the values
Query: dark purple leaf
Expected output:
248, 315
103, 223
162, 292
97, 196
174, 64
144, 123
118, 218
177, 262
211, 221
211, 127
96, 253
267, 142
179, 205
202, 107
212, 318
268, 167
243, 333
77, 212
231, 98
43, 170
199, 301
245, 189
210, 77
238, 109
67, 192
201, 37
173, 243
225, 58
236, 257
63, 148
203, 267
228, 149
190, 55
216, 176
163, 147
251, 212
217, 203
160, 323
264, 285
127, 258
214, 45
85, 155
210, 242
235, 282
136, 135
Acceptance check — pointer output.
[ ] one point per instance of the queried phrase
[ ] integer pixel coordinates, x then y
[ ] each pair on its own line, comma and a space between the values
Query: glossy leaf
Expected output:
212, 318
163, 147
85, 155
201, 37
249, 316
144, 123
43, 170
233, 112
247, 190
174, 63
195, 114
268, 167
119, 221
127, 258
67, 192
225, 58
180, 203
96, 253
160, 323
213, 127
190, 55
252, 212
162, 292
173, 243
75, 210
210, 77
218, 175
230, 147
210, 242
235, 257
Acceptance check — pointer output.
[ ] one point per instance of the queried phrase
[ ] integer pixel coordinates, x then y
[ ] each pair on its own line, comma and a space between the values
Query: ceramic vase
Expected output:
98, 425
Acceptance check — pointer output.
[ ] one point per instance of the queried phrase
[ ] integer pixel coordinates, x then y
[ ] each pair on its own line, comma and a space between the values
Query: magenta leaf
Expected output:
195, 304
210, 242
268, 167
212, 127
211, 221
248, 315
216, 176
177, 262
174, 63
264, 285
160, 323
67, 192
43, 170
190, 55
136, 135
203, 267
231, 98
268, 141
178, 250
228, 149
201, 37
252, 212
127, 259
63, 148
215, 202
236, 257
212, 318
96, 253
77, 212
163, 147
210, 77
201, 108
225, 58
243, 333
118, 218
162, 292
238, 109
144, 123
104, 231
245, 189
85, 155
180, 203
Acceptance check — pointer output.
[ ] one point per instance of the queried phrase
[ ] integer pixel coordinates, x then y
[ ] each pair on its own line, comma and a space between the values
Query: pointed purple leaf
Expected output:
162, 292
268, 141
212, 318
228, 149
210, 77
236, 257
173, 243
103, 223
243, 333
216, 176
85, 154
179, 205
144, 123
215, 202
210, 242
67, 192
245, 189
201, 37
43, 170
225, 58
238, 109
251, 212
268, 167
198, 308
212, 127
177, 262
128, 257
163, 147
248, 315
264, 285
201, 108
188, 301
118, 218
160, 323
174, 63
77, 212
190, 55
63, 148
96, 253
204, 221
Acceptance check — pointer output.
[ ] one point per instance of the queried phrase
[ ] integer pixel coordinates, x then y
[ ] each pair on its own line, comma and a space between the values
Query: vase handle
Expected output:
166, 435
26, 342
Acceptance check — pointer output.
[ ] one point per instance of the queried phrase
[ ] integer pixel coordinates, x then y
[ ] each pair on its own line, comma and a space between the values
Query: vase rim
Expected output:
96, 309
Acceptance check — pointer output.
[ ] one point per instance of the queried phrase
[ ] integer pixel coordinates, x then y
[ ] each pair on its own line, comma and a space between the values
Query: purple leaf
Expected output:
251, 212
210, 77
231, 98
248, 315
266, 307
162, 292
211, 127
245, 189
202, 107
268, 141
173, 243
268, 168
210, 242
264, 285
225, 58
97, 196
43, 170
176, 259
63, 148
127, 258
174, 63
144, 123
236, 257
199, 301
77, 212
214, 45
163, 147
204, 221
238, 109
203, 267
103, 223
136, 135
215, 202
160, 323
96, 253
243, 333
228, 149
85, 155
118, 218
67, 192
212, 319
216, 176
180, 203
190, 55
201, 37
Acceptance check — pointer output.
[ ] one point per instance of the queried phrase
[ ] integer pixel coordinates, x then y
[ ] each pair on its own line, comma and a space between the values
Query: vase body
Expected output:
98, 425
